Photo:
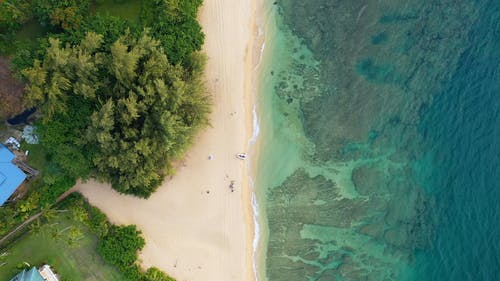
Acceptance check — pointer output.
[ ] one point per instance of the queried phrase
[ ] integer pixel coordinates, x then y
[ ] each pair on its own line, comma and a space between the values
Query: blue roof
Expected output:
5, 154
10, 175
31, 275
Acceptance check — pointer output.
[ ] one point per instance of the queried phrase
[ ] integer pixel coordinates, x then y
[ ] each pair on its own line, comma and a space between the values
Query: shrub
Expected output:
98, 222
120, 246
154, 274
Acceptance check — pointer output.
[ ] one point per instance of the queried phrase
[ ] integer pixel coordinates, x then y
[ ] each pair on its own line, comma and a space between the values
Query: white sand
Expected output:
195, 227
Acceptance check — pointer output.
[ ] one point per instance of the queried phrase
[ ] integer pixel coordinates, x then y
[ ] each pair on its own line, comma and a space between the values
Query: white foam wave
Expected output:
255, 204
256, 127
256, 233
261, 55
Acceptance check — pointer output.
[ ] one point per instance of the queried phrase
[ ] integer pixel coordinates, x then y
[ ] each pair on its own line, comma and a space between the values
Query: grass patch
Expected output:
77, 262
37, 158
126, 9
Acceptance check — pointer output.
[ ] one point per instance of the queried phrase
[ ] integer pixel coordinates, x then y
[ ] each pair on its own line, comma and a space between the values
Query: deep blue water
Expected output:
462, 131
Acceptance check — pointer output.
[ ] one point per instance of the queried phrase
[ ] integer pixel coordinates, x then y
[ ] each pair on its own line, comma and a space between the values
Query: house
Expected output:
10, 175
47, 273
44, 273
28, 275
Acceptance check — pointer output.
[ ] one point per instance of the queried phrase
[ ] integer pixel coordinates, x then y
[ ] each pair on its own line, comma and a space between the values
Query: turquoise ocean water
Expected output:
380, 140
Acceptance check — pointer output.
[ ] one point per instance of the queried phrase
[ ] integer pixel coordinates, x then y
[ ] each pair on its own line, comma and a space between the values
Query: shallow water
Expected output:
380, 131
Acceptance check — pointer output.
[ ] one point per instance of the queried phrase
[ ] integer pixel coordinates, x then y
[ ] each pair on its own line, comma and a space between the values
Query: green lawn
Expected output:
76, 263
37, 158
126, 9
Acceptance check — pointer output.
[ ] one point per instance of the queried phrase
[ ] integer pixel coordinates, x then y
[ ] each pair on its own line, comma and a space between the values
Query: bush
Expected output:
55, 185
98, 222
121, 245
132, 273
154, 274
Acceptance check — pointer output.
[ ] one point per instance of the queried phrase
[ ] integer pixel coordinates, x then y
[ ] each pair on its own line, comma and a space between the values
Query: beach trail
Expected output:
195, 228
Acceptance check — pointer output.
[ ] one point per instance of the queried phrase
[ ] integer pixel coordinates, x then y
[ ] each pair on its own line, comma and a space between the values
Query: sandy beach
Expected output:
195, 227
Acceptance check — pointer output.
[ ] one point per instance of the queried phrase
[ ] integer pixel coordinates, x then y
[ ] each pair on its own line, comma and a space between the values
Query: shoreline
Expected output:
254, 56
263, 35
194, 227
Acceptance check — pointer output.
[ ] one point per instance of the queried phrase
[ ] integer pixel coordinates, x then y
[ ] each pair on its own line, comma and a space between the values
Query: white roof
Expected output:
47, 273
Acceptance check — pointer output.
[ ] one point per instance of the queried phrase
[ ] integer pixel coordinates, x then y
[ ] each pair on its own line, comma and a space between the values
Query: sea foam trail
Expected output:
251, 142
262, 48
255, 244
255, 204
256, 127
261, 55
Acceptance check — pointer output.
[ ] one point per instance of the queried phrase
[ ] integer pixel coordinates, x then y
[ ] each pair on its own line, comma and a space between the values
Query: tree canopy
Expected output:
174, 24
67, 14
13, 13
144, 109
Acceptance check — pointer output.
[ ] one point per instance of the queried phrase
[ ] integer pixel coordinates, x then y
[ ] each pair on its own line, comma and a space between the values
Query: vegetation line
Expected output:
32, 218
119, 97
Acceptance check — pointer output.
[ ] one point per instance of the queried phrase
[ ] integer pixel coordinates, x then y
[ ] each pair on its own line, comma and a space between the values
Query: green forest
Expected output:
120, 97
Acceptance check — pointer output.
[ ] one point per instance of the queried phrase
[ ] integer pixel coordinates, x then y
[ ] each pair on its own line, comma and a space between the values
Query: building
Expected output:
47, 273
10, 175
28, 275
44, 273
